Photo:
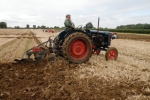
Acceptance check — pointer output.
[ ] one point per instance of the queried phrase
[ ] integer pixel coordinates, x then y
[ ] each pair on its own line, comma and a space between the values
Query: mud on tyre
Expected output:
77, 47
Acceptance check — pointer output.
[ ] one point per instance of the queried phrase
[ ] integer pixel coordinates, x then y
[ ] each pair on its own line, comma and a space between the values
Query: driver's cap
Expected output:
68, 15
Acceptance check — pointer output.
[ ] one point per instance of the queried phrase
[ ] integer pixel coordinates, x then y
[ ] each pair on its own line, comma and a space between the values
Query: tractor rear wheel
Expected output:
111, 53
77, 47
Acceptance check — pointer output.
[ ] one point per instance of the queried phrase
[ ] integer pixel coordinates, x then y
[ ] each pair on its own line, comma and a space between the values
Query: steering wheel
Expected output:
79, 27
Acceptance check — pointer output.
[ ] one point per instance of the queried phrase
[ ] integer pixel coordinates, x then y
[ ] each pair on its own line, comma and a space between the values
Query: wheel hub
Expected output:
78, 49
112, 55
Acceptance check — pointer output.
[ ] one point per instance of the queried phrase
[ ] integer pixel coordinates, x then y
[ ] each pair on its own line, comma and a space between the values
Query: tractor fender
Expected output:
74, 31
65, 33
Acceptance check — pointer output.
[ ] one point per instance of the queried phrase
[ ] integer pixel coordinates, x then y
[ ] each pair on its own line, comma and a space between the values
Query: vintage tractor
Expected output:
75, 45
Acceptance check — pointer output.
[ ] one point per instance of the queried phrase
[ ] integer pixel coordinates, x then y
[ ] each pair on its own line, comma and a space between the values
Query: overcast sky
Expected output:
52, 12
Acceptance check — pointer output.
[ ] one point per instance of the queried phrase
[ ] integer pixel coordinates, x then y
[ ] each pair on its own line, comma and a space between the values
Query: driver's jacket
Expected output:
69, 24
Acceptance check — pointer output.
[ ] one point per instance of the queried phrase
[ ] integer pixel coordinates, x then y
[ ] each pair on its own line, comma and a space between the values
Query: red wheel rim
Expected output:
112, 54
78, 49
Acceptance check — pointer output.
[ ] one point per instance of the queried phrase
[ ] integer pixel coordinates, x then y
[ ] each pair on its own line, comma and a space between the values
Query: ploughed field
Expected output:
126, 78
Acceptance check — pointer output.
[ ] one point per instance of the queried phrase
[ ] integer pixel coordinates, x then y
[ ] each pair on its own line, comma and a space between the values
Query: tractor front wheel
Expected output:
111, 53
77, 47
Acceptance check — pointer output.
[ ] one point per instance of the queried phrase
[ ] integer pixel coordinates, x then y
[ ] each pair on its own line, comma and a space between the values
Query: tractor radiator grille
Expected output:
98, 40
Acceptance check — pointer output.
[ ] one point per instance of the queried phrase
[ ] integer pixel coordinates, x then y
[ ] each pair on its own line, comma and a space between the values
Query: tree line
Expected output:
137, 31
3, 25
134, 26
88, 25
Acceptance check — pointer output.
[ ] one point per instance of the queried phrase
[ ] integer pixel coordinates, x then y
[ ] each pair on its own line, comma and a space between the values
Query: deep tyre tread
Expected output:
69, 40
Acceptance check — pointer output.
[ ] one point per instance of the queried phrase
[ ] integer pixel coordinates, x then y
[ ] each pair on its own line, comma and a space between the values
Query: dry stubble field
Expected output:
126, 78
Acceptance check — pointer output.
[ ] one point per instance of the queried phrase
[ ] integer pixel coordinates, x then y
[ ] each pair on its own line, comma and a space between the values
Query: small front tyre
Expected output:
111, 53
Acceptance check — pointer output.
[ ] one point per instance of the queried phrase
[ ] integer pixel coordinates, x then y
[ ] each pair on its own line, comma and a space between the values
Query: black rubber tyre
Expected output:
77, 47
111, 53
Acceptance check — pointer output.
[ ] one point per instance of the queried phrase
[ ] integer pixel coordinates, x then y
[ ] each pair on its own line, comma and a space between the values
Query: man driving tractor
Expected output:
68, 23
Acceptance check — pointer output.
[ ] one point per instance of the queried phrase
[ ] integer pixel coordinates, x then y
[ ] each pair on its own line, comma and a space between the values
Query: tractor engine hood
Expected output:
100, 32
